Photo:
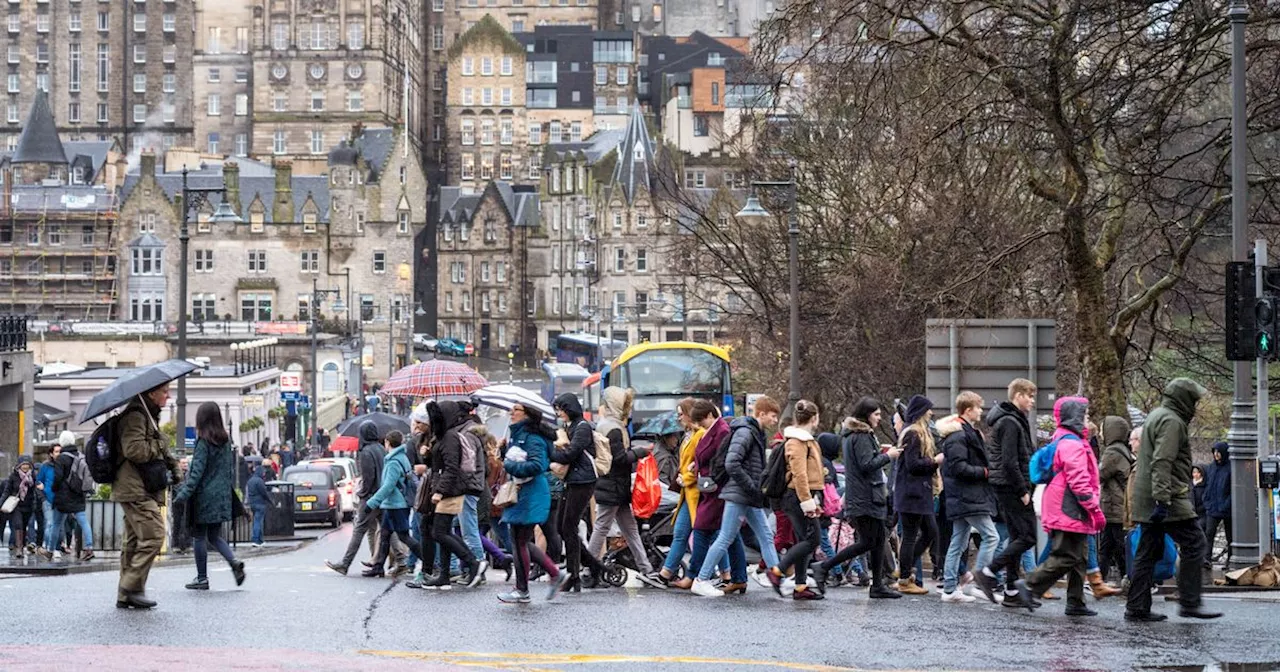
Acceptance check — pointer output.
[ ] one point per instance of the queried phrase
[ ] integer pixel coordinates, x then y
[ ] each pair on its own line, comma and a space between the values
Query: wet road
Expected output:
293, 614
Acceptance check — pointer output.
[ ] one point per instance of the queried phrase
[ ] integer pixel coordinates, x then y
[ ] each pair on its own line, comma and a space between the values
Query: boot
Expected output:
1101, 588
909, 587
880, 592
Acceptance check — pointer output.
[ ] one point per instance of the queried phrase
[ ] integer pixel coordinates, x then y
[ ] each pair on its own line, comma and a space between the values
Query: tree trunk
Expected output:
1100, 363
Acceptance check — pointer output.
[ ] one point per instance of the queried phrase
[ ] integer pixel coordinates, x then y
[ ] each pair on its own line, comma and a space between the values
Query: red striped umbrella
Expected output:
433, 378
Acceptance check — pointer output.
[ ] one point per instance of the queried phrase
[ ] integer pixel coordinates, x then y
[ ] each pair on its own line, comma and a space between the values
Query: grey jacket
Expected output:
745, 463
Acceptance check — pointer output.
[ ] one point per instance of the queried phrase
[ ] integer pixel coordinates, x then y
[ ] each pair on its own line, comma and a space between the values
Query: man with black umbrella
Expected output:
146, 471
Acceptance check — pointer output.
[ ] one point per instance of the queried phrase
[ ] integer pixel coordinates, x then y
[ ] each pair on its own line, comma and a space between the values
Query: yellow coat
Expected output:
689, 473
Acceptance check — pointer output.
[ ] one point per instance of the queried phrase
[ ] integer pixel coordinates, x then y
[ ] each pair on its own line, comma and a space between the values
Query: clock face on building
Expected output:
279, 71
355, 70
317, 71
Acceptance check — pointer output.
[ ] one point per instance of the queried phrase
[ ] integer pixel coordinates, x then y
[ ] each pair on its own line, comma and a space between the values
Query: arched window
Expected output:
330, 380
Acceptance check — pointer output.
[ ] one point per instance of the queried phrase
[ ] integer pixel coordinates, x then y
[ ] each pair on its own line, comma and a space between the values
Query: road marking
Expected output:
520, 661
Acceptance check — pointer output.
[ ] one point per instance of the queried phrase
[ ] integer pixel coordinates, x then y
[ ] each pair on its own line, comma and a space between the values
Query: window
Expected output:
535, 165
555, 301
506, 96
457, 272
484, 271
15, 53
256, 307
14, 82
104, 67
33, 234
486, 132
242, 75
279, 36
278, 142
310, 261
55, 234
317, 142
715, 93
402, 221
506, 65
466, 302
535, 134
102, 113
170, 53
355, 34
695, 178
502, 308
555, 257
437, 38
139, 53
468, 66
215, 74
42, 52
169, 83
642, 303
15, 23
468, 96
468, 167
620, 260
170, 22
619, 303
486, 166
437, 5
555, 132
204, 307
317, 101
139, 114
215, 104
42, 81
642, 260
257, 261
486, 66
279, 102
146, 307
147, 261
448, 302
602, 75
624, 76
360, 221
86, 235
42, 23
506, 130
468, 128
517, 25
104, 22
700, 126
213, 143
204, 261
657, 13
506, 167
486, 96
575, 131
242, 104
379, 262
308, 222
74, 22
73, 112
242, 144
617, 220
500, 271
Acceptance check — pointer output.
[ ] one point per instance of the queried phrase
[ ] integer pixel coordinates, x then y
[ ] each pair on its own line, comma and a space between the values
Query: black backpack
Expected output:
102, 451
718, 472
773, 482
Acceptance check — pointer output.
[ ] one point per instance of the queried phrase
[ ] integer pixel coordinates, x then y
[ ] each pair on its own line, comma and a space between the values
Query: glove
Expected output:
1159, 513
1099, 521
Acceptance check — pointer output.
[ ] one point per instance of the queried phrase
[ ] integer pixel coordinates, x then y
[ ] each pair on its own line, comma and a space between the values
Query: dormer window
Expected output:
309, 222
77, 175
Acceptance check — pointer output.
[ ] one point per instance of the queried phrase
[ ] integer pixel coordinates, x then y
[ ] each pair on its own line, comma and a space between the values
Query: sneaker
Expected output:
558, 585
957, 596
514, 597
1024, 594
806, 594
1014, 601
986, 583
789, 586
57, 556
706, 589
476, 576
86, 555
762, 578
1080, 610
258, 544
199, 583
433, 583
653, 580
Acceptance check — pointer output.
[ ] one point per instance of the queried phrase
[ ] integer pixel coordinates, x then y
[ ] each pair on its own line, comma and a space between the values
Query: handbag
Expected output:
237, 506
10, 504
707, 484
154, 474
508, 494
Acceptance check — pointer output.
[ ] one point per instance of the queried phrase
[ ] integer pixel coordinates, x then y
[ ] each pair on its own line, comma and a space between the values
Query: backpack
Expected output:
102, 454
718, 472
78, 480
603, 459
773, 482
470, 450
1041, 466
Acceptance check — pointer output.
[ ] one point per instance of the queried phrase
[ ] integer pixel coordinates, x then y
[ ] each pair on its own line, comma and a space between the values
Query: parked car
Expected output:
315, 496
426, 342
345, 472
451, 346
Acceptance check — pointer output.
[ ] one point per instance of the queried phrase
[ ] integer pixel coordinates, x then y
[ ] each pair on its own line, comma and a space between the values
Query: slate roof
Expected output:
88, 154
253, 184
146, 240
458, 206
593, 148
635, 166
39, 142
375, 145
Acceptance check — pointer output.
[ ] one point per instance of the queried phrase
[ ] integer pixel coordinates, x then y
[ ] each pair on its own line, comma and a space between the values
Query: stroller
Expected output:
656, 533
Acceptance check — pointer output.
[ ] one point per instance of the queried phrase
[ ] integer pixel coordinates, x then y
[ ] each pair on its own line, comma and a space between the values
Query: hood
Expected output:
1003, 410
369, 432
1181, 396
1069, 413
539, 428
853, 425
949, 425
616, 403
797, 434
451, 415
830, 445
744, 421
568, 402
1221, 452
1204, 473
1115, 429
259, 472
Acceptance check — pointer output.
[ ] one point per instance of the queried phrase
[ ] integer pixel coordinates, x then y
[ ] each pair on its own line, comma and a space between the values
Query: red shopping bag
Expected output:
646, 493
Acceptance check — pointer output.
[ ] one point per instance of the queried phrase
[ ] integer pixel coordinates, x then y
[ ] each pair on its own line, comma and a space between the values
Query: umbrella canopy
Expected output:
385, 422
506, 396
433, 378
134, 383
661, 425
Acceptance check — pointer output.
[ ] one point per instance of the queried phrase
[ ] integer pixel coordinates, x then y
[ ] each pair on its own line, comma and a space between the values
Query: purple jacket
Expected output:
710, 507
1070, 501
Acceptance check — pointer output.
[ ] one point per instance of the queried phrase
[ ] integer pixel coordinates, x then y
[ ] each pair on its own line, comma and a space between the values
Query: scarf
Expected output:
24, 483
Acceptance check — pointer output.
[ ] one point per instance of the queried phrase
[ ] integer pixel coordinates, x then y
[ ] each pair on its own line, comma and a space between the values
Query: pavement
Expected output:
294, 614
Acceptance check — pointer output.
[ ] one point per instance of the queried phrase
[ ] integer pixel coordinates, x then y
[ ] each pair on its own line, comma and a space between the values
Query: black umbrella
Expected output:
385, 422
134, 383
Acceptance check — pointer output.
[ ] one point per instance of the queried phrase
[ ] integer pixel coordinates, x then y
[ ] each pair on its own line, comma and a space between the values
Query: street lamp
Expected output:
753, 209
223, 213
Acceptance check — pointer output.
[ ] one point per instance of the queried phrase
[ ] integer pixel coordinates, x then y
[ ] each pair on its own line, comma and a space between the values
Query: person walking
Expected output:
613, 490
802, 502
1071, 510
449, 483
1117, 462
145, 472
259, 500
1161, 504
743, 501
209, 491
579, 486
527, 462
913, 491
46, 477
370, 460
1010, 450
865, 496
22, 485
1217, 499
971, 502
71, 487
710, 509
395, 492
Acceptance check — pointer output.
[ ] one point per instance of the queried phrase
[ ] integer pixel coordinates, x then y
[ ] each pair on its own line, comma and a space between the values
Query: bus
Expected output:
561, 378
589, 351
664, 373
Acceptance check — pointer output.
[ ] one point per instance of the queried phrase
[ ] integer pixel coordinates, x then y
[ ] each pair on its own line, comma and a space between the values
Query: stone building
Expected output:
113, 70
321, 66
678, 18
222, 83
487, 125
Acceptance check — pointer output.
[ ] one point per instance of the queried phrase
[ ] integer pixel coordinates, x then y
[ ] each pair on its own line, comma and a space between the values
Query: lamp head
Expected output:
752, 208
225, 214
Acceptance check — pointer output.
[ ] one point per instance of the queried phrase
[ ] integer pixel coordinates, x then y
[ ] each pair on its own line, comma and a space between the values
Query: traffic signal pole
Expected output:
1251, 496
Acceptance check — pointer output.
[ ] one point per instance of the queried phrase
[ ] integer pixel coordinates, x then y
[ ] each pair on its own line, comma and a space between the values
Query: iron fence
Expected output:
106, 521
13, 333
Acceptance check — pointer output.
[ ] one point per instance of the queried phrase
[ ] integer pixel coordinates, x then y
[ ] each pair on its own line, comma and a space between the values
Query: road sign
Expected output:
190, 441
470, 350
290, 382
291, 395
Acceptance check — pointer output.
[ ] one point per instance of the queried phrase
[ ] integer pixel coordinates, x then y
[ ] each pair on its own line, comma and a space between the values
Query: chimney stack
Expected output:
148, 163
231, 177
283, 211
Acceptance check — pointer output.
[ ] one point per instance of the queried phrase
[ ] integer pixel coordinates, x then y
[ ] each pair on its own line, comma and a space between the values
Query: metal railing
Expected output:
106, 521
13, 333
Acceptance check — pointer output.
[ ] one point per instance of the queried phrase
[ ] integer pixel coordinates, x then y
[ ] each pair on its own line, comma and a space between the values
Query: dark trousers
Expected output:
551, 530
576, 500
450, 544
808, 537
1111, 550
1211, 533
384, 545
918, 532
365, 523
428, 554
1069, 557
871, 537
203, 536
1191, 550
1020, 520
527, 552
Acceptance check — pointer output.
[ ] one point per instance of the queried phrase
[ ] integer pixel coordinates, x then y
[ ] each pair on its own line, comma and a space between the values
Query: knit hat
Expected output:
829, 444
917, 406
419, 414
66, 439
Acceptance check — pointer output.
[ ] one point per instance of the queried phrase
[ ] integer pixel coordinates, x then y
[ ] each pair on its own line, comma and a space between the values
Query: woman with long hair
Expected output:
802, 502
579, 487
913, 490
526, 461
210, 487
686, 483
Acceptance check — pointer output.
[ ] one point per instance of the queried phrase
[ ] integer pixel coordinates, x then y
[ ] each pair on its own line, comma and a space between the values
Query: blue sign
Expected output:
191, 437
291, 396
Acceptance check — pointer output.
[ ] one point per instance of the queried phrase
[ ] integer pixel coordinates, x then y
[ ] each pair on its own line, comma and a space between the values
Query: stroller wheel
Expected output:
614, 575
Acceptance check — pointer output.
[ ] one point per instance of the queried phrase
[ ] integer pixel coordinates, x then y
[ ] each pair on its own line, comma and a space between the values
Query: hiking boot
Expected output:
882, 593
374, 573
514, 597
1100, 588
200, 583
1198, 612
985, 583
1080, 610
341, 569
1144, 617
909, 587
736, 588
806, 593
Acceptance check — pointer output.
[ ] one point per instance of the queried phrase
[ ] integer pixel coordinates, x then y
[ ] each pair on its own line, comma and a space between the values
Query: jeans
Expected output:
259, 516
469, 521
415, 533
736, 557
48, 541
680, 534
731, 531
60, 519
201, 537
960, 540
1192, 549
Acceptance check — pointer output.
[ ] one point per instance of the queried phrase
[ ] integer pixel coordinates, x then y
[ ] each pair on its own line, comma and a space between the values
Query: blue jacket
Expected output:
46, 475
534, 503
394, 468
1217, 491
256, 491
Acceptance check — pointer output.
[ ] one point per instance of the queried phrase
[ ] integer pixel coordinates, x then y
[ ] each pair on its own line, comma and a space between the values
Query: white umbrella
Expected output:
507, 396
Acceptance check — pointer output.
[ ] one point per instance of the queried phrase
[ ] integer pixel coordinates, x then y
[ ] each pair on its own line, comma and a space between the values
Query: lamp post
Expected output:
752, 208
224, 213
317, 297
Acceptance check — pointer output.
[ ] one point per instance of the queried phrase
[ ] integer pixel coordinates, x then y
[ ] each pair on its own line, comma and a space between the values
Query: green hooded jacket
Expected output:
1163, 470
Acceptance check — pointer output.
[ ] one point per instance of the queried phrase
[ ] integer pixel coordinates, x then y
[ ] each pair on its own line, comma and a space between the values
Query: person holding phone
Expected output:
913, 490
802, 501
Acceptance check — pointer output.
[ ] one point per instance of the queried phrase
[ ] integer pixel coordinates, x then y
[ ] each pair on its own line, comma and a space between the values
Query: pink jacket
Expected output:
1071, 502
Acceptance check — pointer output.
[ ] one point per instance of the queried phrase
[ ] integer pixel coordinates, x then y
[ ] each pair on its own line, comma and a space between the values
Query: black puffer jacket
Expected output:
614, 489
965, 471
745, 463
865, 490
65, 500
448, 478
1010, 449
580, 453
371, 456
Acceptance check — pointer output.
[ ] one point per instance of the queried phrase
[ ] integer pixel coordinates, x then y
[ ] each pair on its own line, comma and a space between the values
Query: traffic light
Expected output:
1265, 323
1240, 297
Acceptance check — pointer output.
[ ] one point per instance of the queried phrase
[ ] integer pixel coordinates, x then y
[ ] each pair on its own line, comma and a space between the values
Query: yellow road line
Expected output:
521, 660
